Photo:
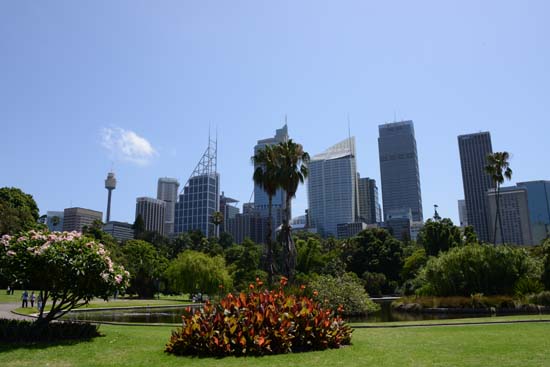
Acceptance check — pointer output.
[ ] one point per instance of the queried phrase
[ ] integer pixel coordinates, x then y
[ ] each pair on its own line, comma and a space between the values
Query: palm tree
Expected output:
499, 169
291, 171
217, 219
265, 176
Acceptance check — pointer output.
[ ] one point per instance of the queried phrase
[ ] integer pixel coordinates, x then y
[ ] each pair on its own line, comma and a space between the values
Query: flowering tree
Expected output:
67, 269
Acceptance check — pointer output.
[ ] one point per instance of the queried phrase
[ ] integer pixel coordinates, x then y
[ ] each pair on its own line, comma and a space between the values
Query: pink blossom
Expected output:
105, 276
21, 239
118, 278
11, 253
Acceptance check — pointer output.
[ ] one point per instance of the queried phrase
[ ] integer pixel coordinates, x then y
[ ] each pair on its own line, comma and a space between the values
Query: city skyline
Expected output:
140, 103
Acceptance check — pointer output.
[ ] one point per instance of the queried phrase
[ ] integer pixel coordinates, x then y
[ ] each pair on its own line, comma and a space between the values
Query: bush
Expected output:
541, 299
23, 331
375, 283
259, 323
476, 268
346, 291
526, 286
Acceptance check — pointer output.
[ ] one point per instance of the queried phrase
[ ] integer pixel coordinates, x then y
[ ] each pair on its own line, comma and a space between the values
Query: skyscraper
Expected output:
514, 215
474, 149
462, 213
332, 188
261, 199
152, 212
201, 196
538, 193
369, 206
399, 169
167, 190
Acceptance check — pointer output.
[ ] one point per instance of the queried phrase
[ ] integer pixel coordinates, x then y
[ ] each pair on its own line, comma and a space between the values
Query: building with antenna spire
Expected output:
110, 185
200, 196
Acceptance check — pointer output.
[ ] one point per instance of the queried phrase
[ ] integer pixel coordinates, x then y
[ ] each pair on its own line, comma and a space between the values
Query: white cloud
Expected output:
127, 146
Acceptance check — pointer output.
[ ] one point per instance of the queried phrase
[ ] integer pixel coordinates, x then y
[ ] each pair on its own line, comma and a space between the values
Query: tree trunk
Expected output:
269, 244
290, 247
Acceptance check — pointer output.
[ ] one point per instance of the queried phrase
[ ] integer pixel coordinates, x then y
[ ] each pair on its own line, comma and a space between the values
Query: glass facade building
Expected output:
332, 188
538, 193
399, 171
474, 149
369, 205
199, 200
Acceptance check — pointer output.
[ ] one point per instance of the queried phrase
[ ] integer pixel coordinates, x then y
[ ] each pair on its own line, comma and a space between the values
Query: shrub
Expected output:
541, 299
23, 331
346, 290
526, 286
259, 323
375, 283
477, 268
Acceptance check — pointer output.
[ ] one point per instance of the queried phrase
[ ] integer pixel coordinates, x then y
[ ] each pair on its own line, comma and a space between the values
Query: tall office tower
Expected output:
152, 212
200, 196
369, 206
228, 210
399, 169
261, 199
247, 225
74, 219
474, 149
332, 188
462, 213
538, 193
110, 185
514, 215
167, 190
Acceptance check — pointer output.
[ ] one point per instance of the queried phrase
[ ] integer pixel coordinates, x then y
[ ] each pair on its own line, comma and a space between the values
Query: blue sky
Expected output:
152, 75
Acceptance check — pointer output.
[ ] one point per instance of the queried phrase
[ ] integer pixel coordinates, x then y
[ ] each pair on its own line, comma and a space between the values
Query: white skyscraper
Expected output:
167, 190
332, 188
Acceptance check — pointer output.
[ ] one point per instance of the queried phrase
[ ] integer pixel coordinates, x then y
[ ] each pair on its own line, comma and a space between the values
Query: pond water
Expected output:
172, 315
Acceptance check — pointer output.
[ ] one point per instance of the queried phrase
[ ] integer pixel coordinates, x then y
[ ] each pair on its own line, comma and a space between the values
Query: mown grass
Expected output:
488, 345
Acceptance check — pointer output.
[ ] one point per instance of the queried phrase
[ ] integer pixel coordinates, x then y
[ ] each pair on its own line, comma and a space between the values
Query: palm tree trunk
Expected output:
290, 247
497, 216
270, 270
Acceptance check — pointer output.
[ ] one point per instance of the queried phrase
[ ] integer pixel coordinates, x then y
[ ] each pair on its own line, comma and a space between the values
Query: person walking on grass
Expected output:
25, 299
33, 297
39, 302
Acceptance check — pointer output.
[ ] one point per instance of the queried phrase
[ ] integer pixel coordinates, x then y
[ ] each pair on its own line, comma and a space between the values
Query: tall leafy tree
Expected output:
18, 211
439, 236
265, 176
292, 170
498, 167
145, 266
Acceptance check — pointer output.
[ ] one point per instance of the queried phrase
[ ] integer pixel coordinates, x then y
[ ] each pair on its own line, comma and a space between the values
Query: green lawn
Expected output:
490, 345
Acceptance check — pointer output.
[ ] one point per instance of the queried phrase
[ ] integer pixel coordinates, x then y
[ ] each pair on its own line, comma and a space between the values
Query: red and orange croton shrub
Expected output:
259, 323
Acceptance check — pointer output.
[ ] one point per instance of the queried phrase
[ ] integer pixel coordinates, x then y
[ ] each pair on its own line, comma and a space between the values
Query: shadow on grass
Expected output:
8, 346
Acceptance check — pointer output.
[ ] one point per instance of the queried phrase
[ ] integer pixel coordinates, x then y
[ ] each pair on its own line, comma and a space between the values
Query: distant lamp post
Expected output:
437, 217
